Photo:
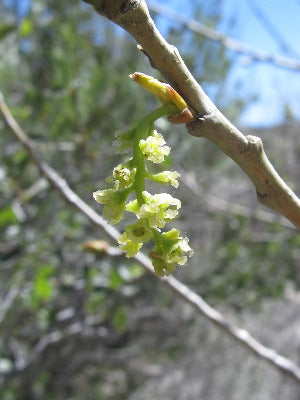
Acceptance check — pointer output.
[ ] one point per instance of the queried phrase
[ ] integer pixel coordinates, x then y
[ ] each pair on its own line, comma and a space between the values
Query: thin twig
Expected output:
228, 42
7, 302
282, 364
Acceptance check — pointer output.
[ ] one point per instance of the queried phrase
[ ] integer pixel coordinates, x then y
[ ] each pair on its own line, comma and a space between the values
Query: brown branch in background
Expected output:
228, 42
241, 336
246, 151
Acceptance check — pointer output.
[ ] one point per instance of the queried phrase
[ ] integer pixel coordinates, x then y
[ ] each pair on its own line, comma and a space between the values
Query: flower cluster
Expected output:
170, 249
154, 148
158, 209
122, 177
153, 212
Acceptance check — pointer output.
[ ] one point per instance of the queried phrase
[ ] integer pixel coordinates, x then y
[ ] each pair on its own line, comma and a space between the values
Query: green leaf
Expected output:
115, 279
6, 30
25, 27
43, 287
120, 319
7, 216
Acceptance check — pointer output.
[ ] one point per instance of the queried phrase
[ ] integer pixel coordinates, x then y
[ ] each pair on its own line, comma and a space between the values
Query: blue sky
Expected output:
274, 86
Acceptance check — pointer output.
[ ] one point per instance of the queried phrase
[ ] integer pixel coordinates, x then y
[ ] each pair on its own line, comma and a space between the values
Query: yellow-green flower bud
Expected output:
167, 177
158, 209
163, 91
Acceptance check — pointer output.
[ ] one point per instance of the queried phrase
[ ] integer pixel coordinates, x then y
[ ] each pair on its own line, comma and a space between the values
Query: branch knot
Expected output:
196, 127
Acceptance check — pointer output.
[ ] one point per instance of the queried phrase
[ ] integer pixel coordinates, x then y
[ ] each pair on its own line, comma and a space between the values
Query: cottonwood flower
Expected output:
139, 232
152, 211
157, 209
128, 245
154, 148
170, 249
114, 203
122, 176
167, 177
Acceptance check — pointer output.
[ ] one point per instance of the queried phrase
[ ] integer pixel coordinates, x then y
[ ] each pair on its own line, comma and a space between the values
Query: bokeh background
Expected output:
80, 325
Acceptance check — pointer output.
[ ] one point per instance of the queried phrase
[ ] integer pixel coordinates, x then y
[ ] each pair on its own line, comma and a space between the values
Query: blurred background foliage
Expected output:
76, 324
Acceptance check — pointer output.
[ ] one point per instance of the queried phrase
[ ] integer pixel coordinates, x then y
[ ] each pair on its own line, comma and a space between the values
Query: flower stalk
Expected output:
153, 212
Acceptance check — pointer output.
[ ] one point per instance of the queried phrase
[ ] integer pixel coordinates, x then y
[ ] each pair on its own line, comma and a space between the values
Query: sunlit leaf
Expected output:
7, 216
43, 287
25, 27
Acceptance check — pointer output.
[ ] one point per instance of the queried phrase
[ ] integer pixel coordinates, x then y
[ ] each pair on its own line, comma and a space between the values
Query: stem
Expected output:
144, 127
157, 239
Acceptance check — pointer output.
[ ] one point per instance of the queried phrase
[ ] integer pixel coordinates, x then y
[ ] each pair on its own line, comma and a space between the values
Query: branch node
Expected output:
255, 144
197, 126
129, 5
261, 197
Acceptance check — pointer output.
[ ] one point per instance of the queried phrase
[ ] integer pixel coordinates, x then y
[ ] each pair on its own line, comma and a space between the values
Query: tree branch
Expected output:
241, 336
246, 151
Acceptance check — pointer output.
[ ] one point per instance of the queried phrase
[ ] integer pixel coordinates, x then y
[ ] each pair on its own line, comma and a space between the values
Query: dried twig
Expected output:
246, 151
241, 336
